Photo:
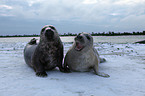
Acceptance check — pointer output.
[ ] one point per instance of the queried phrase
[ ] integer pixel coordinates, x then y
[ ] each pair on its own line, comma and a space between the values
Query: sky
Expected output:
19, 17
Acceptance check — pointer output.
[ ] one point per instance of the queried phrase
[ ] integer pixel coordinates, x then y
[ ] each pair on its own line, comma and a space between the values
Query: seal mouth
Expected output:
79, 46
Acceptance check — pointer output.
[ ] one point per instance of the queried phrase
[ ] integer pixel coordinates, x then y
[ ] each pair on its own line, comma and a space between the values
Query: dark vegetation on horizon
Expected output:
93, 34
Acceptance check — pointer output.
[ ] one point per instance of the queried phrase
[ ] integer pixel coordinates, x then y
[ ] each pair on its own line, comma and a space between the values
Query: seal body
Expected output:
82, 56
47, 54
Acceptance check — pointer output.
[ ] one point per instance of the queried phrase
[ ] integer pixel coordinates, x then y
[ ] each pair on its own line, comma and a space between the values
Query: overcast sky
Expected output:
29, 16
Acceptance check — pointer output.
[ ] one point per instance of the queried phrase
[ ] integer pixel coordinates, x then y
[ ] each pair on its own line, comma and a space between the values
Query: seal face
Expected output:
47, 54
82, 56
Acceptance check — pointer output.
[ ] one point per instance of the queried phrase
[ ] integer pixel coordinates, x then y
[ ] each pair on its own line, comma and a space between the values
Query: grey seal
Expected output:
141, 42
82, 56
47, 54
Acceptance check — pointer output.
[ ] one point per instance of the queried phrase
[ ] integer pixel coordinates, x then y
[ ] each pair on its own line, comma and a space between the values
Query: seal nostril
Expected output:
49, 32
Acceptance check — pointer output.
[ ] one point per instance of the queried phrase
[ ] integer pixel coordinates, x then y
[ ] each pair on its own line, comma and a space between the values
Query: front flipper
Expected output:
38, 63
66, 68
95, 68
41, 74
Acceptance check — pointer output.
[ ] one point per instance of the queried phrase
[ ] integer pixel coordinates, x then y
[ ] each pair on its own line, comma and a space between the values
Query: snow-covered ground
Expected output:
125, 65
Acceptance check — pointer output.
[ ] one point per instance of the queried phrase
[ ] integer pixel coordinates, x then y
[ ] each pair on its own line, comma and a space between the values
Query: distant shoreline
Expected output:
60, 35
93, 34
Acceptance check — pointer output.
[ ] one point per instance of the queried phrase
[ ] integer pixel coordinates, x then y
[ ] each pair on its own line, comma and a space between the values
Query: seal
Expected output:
141, 42
82, 56
47, 54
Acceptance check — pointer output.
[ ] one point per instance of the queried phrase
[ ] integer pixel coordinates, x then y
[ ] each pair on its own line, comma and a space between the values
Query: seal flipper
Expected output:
60, 58
33, 41
102, 74
102, 60
38, 64
40, 71
41, 74
66, 69
95, 68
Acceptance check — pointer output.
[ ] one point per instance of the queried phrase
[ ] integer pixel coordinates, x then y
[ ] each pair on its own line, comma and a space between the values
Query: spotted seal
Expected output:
47, 54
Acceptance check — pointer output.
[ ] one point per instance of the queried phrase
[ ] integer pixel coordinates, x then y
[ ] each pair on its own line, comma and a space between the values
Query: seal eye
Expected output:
43, 29
79, 34
52, 27
79, 37
88, 37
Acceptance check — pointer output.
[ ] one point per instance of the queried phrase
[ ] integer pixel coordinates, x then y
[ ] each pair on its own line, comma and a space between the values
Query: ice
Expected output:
125, 65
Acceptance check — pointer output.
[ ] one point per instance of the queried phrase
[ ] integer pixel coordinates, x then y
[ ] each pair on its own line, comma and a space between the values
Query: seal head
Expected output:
83, 41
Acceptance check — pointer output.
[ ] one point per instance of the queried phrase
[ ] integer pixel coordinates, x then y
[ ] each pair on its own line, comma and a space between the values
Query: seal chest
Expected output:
82, 56
81, 62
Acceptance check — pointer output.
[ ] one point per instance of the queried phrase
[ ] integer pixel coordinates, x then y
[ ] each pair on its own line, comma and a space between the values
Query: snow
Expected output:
125, 65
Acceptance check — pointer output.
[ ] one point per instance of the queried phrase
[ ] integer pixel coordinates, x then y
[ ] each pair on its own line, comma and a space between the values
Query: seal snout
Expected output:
79, 43
49, 33
78, 46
